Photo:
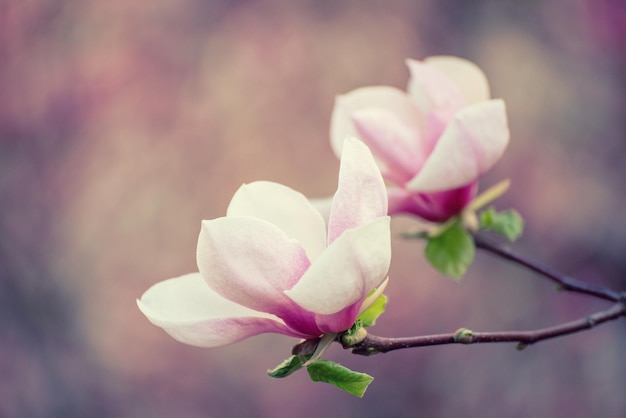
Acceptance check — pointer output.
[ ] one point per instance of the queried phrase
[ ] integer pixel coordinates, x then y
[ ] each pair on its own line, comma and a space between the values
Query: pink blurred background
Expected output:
124, 123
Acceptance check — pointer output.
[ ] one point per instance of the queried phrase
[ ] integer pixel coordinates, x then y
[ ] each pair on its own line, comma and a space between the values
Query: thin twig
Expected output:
373, 344
564, 282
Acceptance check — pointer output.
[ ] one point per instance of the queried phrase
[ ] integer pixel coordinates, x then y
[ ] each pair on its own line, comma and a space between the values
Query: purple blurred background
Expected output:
124, 123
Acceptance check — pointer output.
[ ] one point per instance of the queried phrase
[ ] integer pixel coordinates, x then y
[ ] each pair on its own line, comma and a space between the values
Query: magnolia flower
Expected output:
272, 265
434, 141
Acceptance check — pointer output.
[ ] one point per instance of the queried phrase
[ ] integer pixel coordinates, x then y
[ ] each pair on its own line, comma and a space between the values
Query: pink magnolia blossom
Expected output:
432, 142
272, 265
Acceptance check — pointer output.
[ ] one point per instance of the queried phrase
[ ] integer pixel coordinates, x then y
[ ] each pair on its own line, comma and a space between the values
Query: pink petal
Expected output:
433, 91
396, 148
465, 75
344, 319
339, 321
251, 262
361, 195
355, 263
187, 309
390, 99
471, 144
433, 206
284, 207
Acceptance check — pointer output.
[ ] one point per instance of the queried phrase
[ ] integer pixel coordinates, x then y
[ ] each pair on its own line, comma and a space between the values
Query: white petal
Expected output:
466, 75
471, 144
187, 309
361, 195
323, 205
284, 207
354, 264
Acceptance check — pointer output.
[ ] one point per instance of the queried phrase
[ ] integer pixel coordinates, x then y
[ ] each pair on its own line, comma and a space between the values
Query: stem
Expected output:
373, 344
565, 282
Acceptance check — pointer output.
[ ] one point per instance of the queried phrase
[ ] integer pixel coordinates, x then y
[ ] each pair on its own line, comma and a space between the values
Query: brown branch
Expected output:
564, 282
372, 344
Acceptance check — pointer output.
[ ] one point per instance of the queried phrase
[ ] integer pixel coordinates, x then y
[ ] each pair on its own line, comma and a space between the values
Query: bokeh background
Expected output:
124, 123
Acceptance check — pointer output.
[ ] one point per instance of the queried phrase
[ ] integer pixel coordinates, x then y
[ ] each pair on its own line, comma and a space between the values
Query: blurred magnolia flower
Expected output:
272, 265
432, 142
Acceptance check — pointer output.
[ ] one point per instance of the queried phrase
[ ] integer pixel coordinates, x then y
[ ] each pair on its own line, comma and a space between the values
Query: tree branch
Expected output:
564, 282
371, 344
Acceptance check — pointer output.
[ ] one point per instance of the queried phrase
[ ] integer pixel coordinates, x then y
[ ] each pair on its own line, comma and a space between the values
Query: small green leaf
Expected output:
507, 223
287, 367
452, 251
345, 379
368, 318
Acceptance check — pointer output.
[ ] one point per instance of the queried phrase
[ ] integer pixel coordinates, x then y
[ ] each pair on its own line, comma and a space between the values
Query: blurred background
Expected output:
123, 124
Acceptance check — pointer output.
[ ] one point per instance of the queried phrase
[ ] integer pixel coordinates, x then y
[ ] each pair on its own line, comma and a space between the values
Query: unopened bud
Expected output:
463, 336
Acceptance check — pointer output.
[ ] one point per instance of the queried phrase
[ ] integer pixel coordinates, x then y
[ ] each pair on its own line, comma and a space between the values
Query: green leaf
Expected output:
452, 251
369, 316
507, 223
345, 379
287, 367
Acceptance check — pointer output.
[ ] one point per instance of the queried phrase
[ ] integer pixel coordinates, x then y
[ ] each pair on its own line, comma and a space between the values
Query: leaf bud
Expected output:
463, 336
348, 340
